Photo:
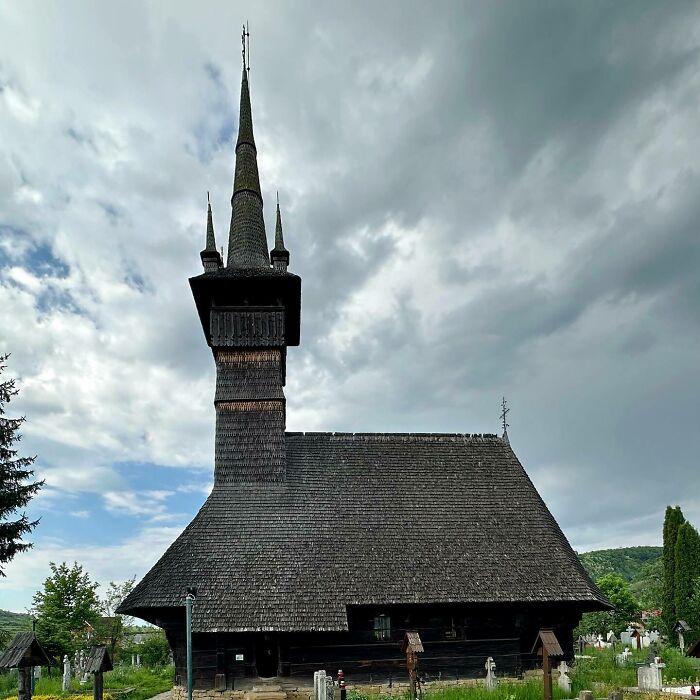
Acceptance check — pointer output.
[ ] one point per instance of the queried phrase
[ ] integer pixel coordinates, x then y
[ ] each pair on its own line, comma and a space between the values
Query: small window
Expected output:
382, 628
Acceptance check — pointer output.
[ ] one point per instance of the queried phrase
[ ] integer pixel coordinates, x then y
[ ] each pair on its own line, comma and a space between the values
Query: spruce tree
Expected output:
16, 487
686, 569
672, 521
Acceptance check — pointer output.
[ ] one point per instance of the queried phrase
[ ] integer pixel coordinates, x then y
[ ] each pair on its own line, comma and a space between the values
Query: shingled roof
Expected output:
367, 519
247, 244
24, 650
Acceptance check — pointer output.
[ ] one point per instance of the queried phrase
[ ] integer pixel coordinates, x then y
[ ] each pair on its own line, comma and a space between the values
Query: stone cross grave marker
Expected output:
490, 682
66, 673
564, 681
649, 677
320, 692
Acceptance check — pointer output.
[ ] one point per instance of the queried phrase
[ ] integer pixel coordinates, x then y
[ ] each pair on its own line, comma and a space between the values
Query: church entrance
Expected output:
266, 655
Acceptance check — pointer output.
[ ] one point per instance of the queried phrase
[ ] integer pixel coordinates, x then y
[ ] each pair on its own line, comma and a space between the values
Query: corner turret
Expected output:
279, 254
211, 258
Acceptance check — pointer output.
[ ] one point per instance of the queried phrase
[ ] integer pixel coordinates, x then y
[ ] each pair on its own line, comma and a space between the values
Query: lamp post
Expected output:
189, 602
33, 681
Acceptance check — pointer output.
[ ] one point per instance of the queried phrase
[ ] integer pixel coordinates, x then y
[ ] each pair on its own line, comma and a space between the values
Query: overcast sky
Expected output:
482, 199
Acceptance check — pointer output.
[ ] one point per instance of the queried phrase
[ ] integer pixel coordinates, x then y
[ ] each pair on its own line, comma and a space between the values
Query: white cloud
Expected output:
150, 503
80, 514
463, 230
197, 487
132, 556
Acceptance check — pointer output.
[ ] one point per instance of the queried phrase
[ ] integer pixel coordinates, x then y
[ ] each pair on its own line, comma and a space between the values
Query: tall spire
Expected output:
247, 242
211, 260
211, 242
279, 254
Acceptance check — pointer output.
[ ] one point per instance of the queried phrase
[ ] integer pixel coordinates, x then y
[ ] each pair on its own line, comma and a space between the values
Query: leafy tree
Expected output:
116, 592
111, 627
64, 608
155, 650
626, 608
16, 487
628, 562
649, 587
687, 566
672, 522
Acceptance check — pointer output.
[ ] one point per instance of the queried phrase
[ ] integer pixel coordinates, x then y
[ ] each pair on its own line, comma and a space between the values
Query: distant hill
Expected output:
632, 563
11, 622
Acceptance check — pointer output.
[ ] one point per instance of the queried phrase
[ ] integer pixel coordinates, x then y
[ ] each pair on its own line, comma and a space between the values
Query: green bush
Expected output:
155, 650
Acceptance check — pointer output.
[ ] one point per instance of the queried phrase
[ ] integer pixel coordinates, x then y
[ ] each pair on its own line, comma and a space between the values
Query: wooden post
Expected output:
98, 686
411, 646
546, 674
24, 683
412, 674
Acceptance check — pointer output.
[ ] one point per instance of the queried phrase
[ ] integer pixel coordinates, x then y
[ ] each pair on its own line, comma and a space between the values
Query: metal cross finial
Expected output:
245, 42
504, 412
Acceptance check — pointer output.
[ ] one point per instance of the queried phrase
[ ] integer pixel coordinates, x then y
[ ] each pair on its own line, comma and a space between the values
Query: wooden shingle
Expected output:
24, 650
547, 640
292, 555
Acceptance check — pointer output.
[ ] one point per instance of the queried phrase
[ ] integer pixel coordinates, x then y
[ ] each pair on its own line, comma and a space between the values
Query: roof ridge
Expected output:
396, 436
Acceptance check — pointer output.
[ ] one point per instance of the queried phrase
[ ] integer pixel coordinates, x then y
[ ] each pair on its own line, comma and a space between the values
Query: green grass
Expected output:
679, 668
529, 689
146, 682
600, 673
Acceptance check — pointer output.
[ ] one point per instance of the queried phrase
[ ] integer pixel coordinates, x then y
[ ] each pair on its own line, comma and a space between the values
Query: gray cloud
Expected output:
481, 199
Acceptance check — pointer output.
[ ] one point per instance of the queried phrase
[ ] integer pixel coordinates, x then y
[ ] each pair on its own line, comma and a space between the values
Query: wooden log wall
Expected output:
457, 642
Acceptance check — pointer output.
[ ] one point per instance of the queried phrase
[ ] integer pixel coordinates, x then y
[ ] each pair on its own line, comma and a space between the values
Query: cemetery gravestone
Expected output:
97, 662
649, 677
320, 687
24, 653
548, 647
412, 646
564, 680
491, 681
66, 674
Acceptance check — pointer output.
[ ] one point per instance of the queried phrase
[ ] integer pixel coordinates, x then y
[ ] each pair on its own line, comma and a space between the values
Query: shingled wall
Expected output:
250, 416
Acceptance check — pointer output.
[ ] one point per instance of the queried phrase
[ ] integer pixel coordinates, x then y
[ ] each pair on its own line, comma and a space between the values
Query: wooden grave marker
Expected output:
412, 646
98, 661
548, 647
24, 653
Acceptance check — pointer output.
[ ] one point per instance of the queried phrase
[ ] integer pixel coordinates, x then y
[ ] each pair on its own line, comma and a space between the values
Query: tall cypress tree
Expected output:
16, 489
686, 569
672, 521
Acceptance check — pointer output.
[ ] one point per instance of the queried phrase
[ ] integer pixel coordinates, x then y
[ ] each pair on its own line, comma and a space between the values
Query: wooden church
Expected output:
319, 550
